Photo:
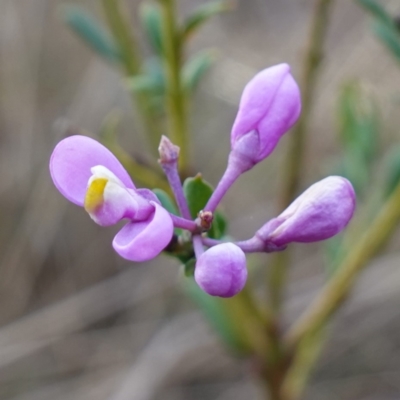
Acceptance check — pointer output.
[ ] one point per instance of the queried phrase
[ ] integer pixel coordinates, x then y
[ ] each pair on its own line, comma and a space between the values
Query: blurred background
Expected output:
77, 321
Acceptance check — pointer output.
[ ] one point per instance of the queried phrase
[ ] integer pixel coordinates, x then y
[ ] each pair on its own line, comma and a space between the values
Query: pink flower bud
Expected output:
269, 107
221, 270
321, 212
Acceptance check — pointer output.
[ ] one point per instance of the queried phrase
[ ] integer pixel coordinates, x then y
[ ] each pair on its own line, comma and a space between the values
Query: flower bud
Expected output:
269, 106
321, 212
221, 270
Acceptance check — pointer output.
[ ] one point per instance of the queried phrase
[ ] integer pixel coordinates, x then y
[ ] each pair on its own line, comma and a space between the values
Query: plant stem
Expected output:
277, 275
311, 67
175, 98
123, 36
340, 284
302, 364
294, 160
132, 64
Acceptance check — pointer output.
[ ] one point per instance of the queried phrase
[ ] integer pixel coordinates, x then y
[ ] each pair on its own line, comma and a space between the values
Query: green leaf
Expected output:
195, 69
155, 69
143, 83
219, 226
390, 37
358, 122
377, 11
189, 267
197, 192
353, 167
215, 310
150, 15
166, 201
202, 14
91, 32
391, 171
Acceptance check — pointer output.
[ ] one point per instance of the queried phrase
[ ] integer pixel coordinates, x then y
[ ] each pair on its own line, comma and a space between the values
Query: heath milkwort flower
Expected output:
90, 176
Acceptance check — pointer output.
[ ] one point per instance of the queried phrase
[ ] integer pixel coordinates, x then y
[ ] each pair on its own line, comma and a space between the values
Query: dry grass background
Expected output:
77, 322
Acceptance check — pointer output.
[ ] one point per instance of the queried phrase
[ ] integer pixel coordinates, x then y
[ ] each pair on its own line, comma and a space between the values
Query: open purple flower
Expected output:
321, 212
269, 106
221, 270
89, 175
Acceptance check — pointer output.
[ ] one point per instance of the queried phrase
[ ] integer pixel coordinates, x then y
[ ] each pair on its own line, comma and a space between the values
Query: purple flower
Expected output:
269, 107
221, 270
89, 175
321, 212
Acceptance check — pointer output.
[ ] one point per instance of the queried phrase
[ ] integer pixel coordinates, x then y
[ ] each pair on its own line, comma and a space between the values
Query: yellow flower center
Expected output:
94, 194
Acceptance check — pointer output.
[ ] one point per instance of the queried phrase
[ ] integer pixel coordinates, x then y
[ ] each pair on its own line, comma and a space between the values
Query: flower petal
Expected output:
107, 203
142, 241
72, 160
269, 106
256, 99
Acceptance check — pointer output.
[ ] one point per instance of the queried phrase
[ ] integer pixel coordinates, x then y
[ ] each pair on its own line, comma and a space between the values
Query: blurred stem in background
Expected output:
308, 333
132, 64
176, 101
338, 287
297, 140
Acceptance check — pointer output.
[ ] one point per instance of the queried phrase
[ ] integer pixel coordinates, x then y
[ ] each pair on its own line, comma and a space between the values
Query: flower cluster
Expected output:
89, 175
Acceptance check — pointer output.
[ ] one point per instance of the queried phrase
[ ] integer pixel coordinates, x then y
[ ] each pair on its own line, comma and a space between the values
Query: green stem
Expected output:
336, 290
312, 63
276, 279
175, 98
132, 65
294, 160
123, 36
302, 364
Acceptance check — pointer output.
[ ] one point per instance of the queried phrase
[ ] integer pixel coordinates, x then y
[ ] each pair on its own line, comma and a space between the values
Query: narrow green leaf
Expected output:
91, 32
358, 122
143, 83
166, 201
195, 69
215, 311
391, 171
390, 37
377, 11
150, 15
202, 14
188, 268
154, 68
219, 226
151, 81
197, 192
